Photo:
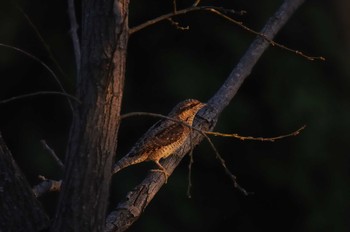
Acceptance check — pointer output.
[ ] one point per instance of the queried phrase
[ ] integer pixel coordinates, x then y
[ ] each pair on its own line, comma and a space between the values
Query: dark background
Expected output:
299, 183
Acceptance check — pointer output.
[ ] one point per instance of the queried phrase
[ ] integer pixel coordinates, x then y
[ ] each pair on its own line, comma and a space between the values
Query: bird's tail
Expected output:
127, 161
123, 163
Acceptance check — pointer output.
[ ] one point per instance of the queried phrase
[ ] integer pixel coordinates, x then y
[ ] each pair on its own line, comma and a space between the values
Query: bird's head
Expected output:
186, 110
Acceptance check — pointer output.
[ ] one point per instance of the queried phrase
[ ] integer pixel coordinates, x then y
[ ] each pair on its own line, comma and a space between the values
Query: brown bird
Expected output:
163, 138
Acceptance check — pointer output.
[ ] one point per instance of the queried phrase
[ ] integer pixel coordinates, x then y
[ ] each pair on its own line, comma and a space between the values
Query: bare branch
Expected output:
174, 6
244, 67
237, 136
273, 43
42, 40
132, 114
177, 25
19, 210
196, 3
218, 11
271, 139
45, 66
223, 164
38, 93
174, 13
74, 34
46, 185
190, 168
52, 153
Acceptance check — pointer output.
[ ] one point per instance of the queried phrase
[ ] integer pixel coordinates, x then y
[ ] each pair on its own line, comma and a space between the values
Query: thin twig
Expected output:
174, 6
39, 93
169, 15
132, 114
216, 10
223, 164
45, 66
74, 34
271, 139
190, 167
273, 43
177, 25
52, 153
196, 3
42, 40
218, 156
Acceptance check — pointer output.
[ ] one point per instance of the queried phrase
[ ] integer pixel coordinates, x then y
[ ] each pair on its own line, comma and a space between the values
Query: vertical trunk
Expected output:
92, 143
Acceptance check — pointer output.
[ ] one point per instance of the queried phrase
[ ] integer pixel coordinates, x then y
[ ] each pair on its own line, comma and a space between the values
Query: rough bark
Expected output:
93, 136
131, 208
19, 209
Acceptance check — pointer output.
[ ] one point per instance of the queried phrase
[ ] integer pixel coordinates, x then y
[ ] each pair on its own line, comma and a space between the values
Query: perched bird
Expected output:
163, 138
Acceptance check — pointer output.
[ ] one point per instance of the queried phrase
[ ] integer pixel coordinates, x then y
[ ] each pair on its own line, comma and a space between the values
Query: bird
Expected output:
163, 138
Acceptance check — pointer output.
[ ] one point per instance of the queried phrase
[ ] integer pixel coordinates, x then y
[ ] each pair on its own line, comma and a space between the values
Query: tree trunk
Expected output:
93, 136
19, 209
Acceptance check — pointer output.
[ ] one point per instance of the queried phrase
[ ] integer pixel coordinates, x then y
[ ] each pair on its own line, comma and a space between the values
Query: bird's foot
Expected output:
166, 175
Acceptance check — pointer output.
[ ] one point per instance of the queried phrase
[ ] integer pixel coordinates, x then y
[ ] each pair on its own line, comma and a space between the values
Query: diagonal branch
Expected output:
242, 70
19, 210
174, 13
52, 153
129, 210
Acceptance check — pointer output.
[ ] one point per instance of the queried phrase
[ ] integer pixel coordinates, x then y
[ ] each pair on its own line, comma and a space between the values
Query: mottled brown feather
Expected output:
163, 138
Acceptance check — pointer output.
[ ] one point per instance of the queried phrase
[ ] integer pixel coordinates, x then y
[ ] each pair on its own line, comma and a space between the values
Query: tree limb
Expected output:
19, 207
175, 13
228, 90
46, 185
74, 34
130, 209
52, 153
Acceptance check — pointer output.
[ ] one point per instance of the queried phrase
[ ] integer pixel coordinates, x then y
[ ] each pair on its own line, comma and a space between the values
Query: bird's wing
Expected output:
169, 134
155, 139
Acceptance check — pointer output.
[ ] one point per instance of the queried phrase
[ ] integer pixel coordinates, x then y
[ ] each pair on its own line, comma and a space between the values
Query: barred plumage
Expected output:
163, 138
